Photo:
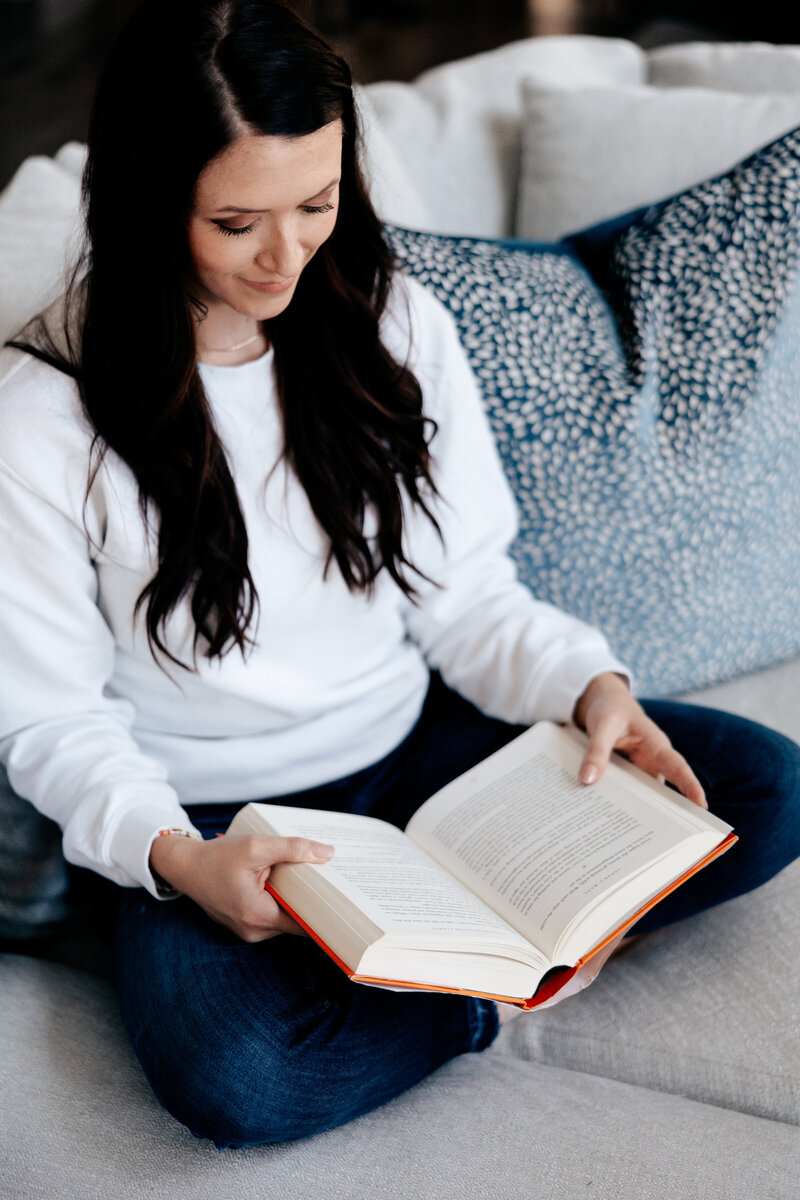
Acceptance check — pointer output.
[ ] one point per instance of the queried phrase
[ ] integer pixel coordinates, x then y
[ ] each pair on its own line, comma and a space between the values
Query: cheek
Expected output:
212, 254
321, 235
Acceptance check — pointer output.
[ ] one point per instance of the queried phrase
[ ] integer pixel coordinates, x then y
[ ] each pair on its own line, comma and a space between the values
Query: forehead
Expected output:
262, 172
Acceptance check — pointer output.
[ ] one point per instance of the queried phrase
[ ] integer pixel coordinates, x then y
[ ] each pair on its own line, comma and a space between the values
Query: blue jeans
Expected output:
249, 1043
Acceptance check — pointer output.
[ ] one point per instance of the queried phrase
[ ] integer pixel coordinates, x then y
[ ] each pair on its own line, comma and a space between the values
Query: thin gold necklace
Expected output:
229, 349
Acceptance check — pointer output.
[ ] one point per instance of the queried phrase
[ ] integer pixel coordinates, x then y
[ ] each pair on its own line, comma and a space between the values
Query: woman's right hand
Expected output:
226, 877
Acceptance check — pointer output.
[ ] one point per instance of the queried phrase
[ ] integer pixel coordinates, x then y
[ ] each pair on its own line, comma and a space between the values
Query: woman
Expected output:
257, 538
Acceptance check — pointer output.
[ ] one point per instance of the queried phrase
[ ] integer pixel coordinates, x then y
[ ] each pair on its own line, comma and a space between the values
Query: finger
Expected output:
659, 758
275, 922
283, 923
602, 741
676, 769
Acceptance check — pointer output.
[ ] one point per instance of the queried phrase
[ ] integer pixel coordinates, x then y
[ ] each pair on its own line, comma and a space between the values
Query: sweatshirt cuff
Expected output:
135, 833
570, 679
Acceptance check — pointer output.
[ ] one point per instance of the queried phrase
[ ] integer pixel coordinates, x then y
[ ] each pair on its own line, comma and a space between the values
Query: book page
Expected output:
393, 882
539, 846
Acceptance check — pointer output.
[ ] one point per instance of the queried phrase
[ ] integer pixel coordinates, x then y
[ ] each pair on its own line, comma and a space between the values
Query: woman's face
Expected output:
262, 208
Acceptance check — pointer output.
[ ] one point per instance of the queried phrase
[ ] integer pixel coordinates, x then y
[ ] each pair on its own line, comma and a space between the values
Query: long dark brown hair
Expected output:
181, 80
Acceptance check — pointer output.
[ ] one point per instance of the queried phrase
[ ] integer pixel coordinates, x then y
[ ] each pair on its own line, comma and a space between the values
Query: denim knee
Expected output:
750, 772
289, 1087
280, 1112
256, 1088
265, 1042
751, 775
773, 835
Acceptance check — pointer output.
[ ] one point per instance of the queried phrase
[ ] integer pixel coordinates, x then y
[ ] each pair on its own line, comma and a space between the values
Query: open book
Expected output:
504, 883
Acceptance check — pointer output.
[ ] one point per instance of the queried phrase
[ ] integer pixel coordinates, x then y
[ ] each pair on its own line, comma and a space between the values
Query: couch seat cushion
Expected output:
771, 697
81, 1124
707, 1008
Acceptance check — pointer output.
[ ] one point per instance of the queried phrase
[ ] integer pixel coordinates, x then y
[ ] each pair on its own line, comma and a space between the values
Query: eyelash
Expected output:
309, 208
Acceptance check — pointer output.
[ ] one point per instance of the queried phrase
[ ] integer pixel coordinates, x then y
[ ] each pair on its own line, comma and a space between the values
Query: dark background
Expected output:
51, 50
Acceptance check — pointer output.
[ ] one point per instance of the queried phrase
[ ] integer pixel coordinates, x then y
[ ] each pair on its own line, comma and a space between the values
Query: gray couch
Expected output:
677, 1074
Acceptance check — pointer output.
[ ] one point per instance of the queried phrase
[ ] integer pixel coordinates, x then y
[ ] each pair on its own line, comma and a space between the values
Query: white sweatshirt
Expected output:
101, 740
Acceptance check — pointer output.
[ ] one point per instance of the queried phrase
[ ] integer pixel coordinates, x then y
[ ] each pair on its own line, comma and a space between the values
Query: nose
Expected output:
282, 253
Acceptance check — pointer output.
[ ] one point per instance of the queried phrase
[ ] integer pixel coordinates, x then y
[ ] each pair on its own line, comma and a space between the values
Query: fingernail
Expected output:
588, 774
320, 850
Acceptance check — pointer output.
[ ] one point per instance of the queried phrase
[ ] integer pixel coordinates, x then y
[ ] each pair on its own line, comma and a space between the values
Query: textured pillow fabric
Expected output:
590, 153
34, 882
648, 417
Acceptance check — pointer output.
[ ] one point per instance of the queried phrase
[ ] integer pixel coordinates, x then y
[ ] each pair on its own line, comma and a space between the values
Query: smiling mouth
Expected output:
280, 285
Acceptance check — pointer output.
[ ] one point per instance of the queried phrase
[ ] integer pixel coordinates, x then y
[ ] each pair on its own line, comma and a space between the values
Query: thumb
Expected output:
598, 752
298, 849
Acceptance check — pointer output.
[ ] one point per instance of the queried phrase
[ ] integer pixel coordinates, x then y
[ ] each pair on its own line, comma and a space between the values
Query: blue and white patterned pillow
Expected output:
643, 384
34, 882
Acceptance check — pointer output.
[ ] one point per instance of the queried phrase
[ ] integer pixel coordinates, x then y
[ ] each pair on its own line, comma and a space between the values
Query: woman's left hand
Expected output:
615, 721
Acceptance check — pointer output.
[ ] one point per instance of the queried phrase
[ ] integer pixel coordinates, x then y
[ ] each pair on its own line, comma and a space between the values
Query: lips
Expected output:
270, 288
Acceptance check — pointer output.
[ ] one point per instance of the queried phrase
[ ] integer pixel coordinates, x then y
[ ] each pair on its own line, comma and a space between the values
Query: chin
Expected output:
264, 307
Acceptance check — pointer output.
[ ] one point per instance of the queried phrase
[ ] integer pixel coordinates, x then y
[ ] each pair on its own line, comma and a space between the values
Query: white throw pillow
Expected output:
72, 157
39, 234
392, 193
592, 153
728, 66
456, 128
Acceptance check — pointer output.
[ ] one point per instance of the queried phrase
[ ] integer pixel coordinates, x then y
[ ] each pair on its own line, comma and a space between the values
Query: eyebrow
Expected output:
232, 209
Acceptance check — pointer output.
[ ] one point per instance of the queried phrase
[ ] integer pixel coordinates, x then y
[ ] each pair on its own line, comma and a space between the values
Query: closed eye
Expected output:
229, 231
232, 231
318, 208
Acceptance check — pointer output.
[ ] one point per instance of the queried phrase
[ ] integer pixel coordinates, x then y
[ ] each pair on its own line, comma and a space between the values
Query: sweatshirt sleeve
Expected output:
515, 657
66, 744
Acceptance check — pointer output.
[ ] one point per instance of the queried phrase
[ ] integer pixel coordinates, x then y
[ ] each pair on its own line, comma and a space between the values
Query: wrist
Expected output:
171, 853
